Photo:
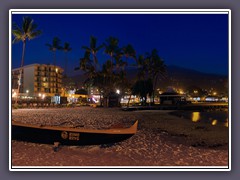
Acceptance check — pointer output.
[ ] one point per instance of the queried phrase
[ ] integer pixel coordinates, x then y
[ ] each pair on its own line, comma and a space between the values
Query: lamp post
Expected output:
119, 99
41, 96
27, 97
14, 95
27, 91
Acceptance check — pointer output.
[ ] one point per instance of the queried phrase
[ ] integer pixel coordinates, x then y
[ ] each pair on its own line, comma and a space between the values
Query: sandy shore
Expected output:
148, 147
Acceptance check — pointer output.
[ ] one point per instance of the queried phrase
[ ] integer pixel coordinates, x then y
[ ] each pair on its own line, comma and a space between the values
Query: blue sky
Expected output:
195, 41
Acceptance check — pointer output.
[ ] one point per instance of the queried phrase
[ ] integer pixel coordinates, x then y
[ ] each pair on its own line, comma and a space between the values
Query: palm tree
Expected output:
111, 46
28, 31
54, 47
109, 80
129, 52
93, 49
150, 68
141, 66
66, 48
143, 88
123, 83
119, 63
87, 66
156, 68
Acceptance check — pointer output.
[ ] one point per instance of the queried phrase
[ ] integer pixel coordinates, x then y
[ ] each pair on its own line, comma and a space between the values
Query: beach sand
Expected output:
148, 147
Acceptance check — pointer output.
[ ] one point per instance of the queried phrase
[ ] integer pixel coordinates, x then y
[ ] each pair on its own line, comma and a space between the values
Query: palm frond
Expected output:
34, 34
93, 42
16, 40
86, 48
27, 31
27, 23
16, 27
17, 33
66, 47
99, 47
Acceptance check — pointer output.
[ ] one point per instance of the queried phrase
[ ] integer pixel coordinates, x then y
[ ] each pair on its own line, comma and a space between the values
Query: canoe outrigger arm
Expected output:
56, 146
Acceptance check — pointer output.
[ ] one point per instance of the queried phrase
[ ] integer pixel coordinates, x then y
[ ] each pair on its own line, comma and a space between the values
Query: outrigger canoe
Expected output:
69, 135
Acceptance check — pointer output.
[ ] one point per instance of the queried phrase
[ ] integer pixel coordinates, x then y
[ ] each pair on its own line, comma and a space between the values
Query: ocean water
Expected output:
214, 118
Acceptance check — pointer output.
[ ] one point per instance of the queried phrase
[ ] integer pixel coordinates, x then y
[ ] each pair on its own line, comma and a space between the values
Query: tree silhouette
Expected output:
28, 31
93, 49
56, 45
66, 48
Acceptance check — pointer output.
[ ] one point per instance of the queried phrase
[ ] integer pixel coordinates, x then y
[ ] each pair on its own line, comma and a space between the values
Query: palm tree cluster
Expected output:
28, 31
112, 74
53, 47
56, 45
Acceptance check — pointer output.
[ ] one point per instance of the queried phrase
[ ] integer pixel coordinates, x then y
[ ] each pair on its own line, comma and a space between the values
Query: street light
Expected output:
118, 91
41, 95
14, 94
27, 91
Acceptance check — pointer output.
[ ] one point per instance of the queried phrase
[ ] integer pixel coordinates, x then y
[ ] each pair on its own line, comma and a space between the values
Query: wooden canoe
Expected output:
69, 135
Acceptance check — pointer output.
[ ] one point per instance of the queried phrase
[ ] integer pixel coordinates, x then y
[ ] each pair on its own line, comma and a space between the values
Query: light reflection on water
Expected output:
195, 116
215, 118
226, 123
214, 122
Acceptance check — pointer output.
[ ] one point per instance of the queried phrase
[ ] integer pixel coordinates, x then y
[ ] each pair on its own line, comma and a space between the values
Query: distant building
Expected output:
212, 98
171, 98
38, 79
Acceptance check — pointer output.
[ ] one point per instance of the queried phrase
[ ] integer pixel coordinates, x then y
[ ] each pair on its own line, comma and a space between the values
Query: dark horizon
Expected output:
192, 41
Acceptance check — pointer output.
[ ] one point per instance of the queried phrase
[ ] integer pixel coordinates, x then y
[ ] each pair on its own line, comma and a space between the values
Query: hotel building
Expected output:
38, 79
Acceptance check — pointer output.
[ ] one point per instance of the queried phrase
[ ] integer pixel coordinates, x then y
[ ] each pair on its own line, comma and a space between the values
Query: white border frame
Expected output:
119, 11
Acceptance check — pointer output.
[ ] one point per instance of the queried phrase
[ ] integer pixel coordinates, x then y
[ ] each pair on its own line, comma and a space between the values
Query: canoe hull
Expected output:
65, 137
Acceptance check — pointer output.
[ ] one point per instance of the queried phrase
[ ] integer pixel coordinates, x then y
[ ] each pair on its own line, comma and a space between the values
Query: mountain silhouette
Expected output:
178, 77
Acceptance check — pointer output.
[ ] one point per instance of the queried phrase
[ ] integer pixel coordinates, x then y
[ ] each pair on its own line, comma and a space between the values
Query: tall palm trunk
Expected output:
100, 99
54, 58
66, 63
129, 100
111, 54
154, 87
54, 66
21, 70
95, 61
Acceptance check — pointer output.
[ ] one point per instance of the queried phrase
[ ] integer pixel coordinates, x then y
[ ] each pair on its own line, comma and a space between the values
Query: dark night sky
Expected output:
198, 42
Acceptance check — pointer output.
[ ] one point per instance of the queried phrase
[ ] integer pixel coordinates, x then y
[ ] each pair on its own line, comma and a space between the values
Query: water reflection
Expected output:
214, 122
226, 123
195, 116
214, 118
